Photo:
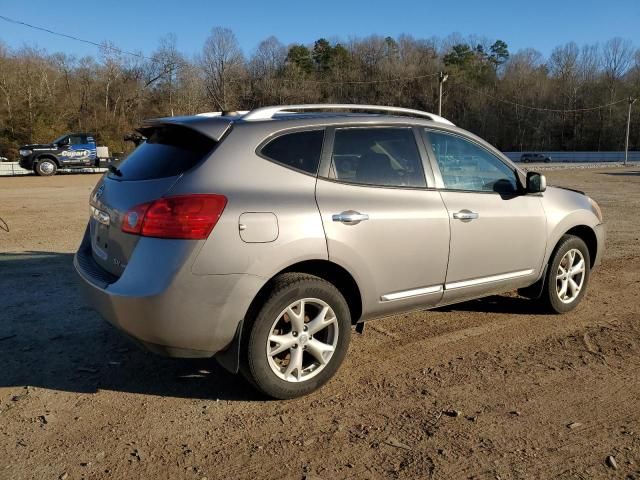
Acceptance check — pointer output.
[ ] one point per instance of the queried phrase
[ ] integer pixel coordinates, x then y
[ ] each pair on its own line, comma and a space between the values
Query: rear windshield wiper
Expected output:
115, 170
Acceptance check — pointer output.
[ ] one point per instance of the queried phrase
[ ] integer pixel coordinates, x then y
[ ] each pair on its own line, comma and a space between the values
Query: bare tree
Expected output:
190, 97
266, 67
589, 62
162, 69
617, 57
269, 58
222, 63
564, 61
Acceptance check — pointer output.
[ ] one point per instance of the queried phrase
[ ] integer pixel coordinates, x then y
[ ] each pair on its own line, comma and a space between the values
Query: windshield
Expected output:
59, 139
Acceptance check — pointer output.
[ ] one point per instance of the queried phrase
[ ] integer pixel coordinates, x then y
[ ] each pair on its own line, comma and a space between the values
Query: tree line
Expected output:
517, 101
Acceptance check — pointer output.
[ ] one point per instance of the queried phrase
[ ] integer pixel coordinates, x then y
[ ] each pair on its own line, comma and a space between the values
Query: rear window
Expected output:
299, 150
168, 151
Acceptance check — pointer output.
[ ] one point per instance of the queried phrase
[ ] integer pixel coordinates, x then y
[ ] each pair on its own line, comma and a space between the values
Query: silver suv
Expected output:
263, 237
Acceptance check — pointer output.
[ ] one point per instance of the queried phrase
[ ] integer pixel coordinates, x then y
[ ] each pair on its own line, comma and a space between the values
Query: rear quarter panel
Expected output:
254, 184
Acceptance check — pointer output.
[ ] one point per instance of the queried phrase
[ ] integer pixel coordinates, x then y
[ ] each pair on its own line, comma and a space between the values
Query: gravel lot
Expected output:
490, 389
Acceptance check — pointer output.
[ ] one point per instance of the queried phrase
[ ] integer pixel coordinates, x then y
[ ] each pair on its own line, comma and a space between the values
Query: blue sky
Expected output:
138, 25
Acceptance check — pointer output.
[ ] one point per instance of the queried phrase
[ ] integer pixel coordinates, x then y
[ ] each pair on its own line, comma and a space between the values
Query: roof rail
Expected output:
266, 113
219, 114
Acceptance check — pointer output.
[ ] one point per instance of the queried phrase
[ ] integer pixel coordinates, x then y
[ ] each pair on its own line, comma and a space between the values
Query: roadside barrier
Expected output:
10, 169
571, 157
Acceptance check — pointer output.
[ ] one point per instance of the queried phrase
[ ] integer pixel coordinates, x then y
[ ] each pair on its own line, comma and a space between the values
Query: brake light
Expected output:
183, 216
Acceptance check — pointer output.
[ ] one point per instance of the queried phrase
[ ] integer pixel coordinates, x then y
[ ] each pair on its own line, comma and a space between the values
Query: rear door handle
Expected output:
350, 217
465, 215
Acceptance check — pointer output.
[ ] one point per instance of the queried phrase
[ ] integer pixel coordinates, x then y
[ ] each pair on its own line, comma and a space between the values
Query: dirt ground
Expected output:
490, 389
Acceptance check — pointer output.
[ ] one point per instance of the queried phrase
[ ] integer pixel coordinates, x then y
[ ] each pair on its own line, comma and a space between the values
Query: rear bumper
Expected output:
170, 311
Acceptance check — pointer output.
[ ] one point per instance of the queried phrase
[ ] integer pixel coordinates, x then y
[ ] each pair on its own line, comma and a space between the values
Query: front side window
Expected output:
77, 140
299, 150
377, 156
467, 166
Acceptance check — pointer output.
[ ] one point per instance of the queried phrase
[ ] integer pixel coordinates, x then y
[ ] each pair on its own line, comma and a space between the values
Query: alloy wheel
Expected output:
302, 340
570, 276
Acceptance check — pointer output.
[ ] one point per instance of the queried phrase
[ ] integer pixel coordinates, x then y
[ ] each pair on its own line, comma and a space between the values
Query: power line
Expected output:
77, 39
541, 109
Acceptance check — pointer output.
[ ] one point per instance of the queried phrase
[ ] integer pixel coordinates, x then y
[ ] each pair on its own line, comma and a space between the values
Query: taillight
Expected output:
183, 216
132, 222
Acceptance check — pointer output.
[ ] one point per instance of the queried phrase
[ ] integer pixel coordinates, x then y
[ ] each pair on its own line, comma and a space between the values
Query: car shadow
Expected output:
497, 304
50, 338
622, 174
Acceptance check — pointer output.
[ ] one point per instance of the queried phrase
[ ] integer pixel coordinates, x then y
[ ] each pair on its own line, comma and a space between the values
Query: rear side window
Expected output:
377, 156
299, 150
167, 152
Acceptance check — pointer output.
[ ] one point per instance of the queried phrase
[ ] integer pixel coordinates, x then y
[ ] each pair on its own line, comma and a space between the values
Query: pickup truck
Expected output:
70, 151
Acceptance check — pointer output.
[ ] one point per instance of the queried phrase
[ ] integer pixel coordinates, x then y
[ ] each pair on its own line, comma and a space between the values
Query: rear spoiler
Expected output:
212, 127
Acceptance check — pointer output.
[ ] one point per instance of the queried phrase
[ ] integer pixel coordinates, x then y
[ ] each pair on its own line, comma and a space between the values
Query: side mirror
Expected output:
536, 182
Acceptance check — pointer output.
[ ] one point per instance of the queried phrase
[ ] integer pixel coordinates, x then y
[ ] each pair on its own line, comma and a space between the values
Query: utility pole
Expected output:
626, 143
441, 79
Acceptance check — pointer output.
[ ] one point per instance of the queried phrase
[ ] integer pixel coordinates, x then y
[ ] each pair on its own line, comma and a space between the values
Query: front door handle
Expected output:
465, 215
350, 217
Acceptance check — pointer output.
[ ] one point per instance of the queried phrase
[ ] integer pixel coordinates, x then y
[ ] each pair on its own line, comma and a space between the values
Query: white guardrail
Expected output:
580, 157
10, 169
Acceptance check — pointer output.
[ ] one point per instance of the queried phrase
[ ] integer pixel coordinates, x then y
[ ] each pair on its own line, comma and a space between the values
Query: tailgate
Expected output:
111, 199
149, 173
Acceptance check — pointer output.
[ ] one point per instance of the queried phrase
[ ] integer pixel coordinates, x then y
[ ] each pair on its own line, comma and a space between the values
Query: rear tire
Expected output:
298, 338
46, 167
567, 276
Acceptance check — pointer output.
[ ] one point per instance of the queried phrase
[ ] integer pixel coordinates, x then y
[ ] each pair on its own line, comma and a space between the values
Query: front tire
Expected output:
298, 338
46, 167
567, 275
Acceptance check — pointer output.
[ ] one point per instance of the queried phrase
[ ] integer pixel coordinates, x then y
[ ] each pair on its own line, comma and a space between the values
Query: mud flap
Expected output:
229, 359
534, 291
